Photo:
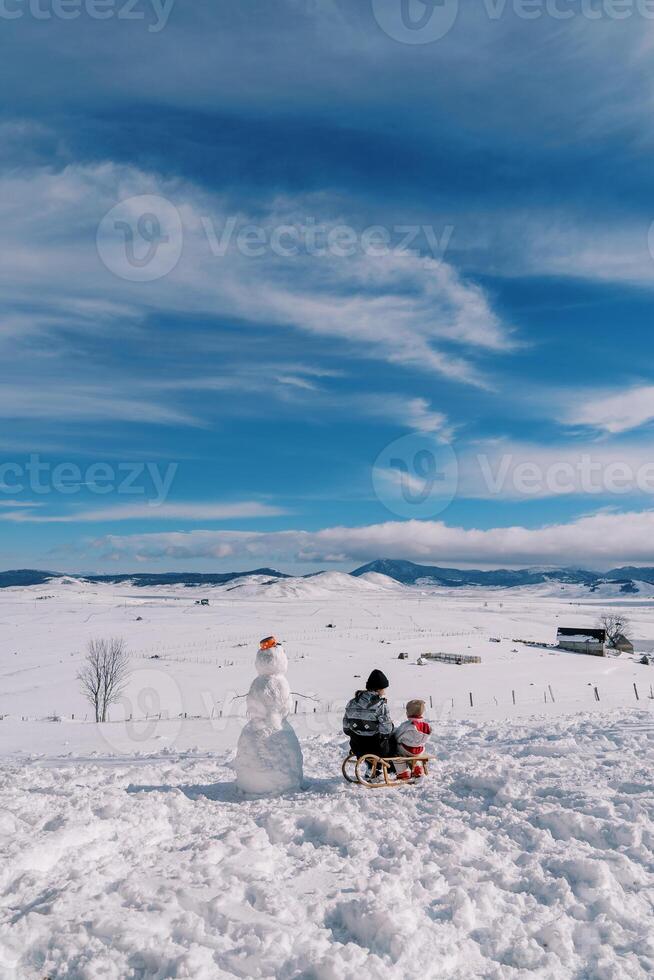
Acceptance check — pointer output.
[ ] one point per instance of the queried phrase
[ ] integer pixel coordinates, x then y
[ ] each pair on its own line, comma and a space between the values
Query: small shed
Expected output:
623, 644
582, 640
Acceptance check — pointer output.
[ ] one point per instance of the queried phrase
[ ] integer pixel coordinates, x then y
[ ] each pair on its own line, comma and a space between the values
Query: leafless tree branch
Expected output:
615, 625
104, 674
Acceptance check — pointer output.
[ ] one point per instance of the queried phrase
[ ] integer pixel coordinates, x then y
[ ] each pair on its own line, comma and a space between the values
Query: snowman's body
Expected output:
268, 756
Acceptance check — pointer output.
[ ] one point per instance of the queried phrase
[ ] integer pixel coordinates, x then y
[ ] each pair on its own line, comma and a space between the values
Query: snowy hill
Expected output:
319, 586
381, 581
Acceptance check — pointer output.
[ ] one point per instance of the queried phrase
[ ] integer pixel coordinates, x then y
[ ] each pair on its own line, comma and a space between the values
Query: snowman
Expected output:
268, 755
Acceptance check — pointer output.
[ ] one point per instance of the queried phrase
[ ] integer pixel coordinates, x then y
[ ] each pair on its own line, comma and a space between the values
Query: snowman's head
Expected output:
271, 659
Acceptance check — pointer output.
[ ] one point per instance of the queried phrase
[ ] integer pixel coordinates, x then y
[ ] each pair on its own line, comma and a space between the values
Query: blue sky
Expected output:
280, 288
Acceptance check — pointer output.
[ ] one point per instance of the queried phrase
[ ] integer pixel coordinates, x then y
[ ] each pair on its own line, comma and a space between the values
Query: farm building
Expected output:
581, 640
623, 644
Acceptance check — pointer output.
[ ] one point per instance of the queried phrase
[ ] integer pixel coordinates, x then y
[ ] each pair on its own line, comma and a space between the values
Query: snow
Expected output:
526, 852
126, 850
579, 638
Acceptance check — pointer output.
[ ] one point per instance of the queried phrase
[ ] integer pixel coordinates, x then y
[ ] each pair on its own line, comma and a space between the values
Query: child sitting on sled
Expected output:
411, 737
367, 721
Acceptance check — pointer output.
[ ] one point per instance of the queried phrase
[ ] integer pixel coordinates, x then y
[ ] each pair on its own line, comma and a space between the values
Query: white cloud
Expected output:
605, 537
147, 511
615, 412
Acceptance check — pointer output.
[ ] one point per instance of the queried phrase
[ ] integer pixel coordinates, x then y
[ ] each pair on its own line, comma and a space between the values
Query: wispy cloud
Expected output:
397, 307
74, 401
18, 503
614, 412
415, 413
149, 512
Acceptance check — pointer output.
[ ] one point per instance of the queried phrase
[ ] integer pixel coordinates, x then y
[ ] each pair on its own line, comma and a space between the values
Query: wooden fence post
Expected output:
549, 687
636, 692
471, 704
513, 696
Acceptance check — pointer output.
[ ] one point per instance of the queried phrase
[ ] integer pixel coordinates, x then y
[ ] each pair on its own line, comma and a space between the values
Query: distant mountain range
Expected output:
406, 572
410, 573
28, 576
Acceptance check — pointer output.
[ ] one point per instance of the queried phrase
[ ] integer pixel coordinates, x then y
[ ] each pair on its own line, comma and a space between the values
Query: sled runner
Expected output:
372, 771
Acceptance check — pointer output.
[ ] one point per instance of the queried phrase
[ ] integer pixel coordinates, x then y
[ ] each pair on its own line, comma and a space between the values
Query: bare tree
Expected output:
104, 674
615, 626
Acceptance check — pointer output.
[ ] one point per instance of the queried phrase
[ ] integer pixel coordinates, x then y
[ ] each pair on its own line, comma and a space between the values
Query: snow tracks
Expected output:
527, 853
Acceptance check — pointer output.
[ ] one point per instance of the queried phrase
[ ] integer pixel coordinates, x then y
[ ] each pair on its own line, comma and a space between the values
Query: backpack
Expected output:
366, 714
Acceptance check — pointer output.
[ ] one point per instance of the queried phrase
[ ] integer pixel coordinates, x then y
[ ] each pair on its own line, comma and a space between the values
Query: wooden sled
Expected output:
378, 777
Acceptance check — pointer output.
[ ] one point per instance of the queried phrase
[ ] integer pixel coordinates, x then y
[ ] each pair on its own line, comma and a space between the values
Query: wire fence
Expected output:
461, 704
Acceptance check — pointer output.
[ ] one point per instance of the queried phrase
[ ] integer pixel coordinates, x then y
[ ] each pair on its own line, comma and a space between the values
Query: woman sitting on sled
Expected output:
367, 721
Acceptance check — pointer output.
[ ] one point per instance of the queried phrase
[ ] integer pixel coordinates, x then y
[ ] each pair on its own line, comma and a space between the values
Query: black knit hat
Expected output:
377, 681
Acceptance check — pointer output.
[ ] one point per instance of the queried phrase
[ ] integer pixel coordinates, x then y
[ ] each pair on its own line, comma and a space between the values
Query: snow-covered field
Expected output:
127, 853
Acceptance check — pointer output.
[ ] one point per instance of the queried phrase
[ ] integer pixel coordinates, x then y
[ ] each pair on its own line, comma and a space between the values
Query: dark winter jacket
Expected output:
367, 714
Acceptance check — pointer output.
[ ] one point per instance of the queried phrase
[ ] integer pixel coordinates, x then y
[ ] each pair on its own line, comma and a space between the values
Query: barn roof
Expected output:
581, 634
